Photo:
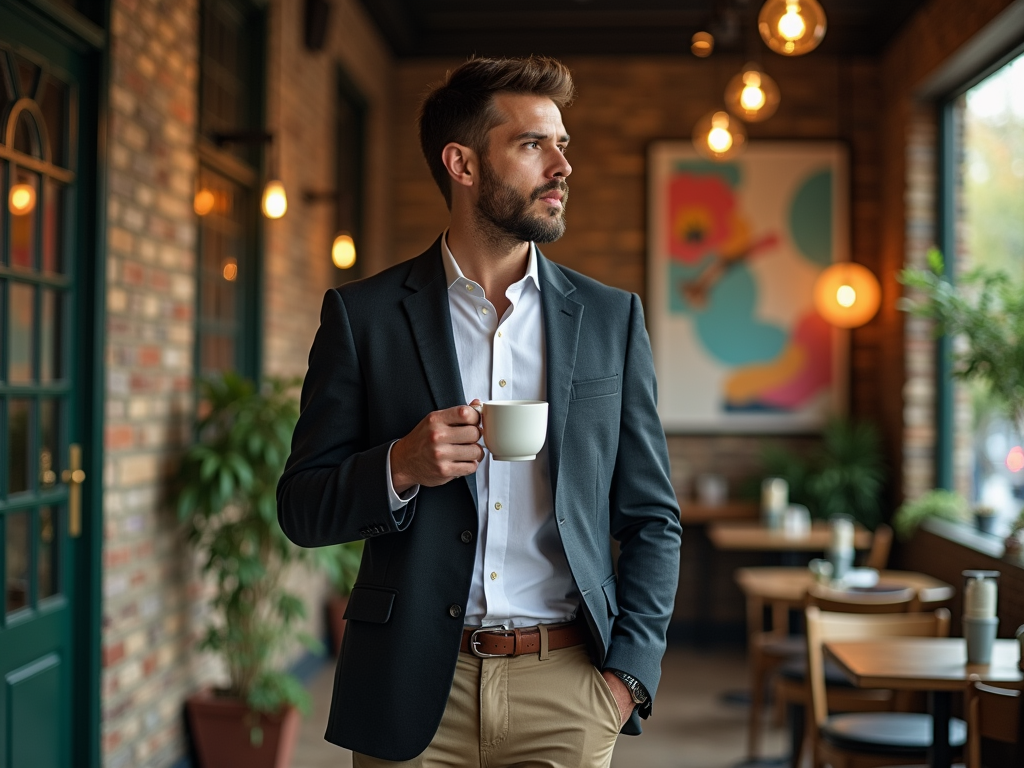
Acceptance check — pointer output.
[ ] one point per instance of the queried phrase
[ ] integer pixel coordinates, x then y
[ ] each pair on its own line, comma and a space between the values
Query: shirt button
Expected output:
483, 310
455, 611
501, 383
493, 575
497, 505
499, 334
467, 536
469, 287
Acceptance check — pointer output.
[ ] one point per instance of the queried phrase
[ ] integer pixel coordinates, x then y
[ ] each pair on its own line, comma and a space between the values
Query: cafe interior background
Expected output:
185, 179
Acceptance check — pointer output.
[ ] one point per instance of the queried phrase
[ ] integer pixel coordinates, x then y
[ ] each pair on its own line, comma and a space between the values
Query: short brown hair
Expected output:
461, 109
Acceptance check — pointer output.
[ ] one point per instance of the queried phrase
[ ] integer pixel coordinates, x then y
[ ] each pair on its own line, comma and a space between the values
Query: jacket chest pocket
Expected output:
585, 390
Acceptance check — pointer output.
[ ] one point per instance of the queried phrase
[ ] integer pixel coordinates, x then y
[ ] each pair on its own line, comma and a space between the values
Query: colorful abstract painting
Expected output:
734, 249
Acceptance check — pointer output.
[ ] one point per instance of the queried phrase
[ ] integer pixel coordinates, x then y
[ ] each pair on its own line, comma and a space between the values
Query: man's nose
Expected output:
561, 167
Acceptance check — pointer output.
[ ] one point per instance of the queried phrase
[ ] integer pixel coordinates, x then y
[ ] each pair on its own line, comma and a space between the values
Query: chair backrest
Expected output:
881, 543
994, 713
847, 601
824, 627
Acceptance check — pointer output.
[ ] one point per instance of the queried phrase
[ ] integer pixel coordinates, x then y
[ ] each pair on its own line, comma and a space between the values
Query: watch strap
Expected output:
636, 688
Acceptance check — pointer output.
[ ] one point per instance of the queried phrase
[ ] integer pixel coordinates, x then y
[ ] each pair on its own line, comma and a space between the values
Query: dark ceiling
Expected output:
612, 27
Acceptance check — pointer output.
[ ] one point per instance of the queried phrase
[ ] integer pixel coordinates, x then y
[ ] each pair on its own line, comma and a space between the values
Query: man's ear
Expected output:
461, 162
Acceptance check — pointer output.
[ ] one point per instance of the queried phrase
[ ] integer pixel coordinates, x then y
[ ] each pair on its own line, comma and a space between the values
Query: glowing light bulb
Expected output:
719, 139
203, 202
22, 199
230, 270
343, 252
846, 296
752, 98
1015, 459
718, 136
275, 201
792, 25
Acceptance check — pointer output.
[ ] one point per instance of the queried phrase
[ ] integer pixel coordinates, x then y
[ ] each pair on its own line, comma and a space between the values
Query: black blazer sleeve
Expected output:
334, 486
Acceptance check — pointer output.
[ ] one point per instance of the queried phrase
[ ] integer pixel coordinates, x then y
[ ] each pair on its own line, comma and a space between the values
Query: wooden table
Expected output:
756, 537
936, 665
788, 586
692, 513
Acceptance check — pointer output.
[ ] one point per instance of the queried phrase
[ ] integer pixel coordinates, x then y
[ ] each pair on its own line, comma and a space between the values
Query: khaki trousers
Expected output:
521, 712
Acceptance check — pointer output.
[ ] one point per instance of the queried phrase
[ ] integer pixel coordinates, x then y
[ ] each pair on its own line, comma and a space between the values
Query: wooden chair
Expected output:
769, 650
791, 688
881, 543
994, 713
869, 740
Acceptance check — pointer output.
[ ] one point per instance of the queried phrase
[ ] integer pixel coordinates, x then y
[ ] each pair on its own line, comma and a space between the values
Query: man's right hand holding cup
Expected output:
443, 446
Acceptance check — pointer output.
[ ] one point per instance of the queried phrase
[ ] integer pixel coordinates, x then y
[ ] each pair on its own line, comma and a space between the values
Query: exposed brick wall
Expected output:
301, 113
153, 607
623, 105
147, 662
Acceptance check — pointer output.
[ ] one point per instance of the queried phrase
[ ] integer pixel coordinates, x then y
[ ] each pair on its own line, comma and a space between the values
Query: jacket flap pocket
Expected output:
595, 387
371, 604
609, 594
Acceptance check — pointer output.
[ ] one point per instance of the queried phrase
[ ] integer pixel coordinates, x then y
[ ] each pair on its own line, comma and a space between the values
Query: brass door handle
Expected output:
74, 476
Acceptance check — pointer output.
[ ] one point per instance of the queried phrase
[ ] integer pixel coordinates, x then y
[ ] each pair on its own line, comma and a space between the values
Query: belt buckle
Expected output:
474, 643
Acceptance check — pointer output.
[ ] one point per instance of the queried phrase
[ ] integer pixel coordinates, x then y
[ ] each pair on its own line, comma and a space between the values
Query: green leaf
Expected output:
935, 261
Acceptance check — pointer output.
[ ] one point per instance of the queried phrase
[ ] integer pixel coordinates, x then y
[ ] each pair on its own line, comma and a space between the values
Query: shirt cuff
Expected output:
396, 502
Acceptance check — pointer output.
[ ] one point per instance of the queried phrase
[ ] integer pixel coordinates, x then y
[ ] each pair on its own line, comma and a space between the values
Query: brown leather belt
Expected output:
487, 642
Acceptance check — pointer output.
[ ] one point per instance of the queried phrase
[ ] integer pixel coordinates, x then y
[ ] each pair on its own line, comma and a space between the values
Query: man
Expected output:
388, 449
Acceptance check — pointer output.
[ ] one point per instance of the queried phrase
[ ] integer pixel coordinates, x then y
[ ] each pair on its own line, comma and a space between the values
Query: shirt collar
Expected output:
453, 274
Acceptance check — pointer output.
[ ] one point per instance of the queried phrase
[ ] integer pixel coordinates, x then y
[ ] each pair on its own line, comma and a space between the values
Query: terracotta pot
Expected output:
336, 606
222, 733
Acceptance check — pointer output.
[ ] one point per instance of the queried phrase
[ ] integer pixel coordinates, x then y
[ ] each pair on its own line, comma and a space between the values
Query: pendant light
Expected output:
719, 136
791, 27
847, 295
752, 95
702, 44
343, 251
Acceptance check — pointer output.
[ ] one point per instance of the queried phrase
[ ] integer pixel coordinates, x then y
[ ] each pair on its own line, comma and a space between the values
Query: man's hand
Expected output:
441, 447
622, 696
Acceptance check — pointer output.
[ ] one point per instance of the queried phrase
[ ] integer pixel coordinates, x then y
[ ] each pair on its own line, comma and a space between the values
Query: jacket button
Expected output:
467, 536
455, 611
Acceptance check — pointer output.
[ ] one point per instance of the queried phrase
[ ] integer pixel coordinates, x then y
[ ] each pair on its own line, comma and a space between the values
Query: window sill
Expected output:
972, 539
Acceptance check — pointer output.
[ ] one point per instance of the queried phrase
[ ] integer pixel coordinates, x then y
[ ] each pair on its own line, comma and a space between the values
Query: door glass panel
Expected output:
50, 341
28, 76
17, 551
18, 412
22, 321
53, 220
49, 445
25, 136
23, 204
49, 544
54, 105
6, 84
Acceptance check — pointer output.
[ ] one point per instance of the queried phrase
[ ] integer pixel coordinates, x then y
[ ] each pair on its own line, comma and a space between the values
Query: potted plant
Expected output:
984, 518
985, 309
227, 504
844, 477
343, 570
938, 503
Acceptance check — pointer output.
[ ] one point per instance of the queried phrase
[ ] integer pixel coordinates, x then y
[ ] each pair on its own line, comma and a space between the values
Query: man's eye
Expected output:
532, 144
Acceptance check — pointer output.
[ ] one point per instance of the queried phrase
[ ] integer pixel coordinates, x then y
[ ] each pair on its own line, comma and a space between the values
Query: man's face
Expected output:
522, 189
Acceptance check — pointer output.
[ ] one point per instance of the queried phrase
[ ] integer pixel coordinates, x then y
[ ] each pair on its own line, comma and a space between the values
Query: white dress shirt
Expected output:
520, 574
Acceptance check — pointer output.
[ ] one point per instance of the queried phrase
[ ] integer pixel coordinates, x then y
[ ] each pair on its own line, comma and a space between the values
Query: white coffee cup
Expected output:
514, 430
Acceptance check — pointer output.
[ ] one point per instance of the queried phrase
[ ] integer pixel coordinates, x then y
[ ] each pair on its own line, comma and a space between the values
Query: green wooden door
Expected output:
40, 491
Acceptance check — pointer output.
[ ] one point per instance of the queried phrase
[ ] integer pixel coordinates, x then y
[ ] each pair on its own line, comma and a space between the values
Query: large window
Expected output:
227, 189
987, 206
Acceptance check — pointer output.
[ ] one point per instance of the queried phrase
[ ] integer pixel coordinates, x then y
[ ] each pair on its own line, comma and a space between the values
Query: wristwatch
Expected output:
636, 688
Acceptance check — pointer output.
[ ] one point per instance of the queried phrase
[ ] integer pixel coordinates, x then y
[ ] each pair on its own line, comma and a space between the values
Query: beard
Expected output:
504, 212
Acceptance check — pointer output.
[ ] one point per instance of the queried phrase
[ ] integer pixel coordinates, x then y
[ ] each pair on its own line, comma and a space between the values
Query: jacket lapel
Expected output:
562, 318
430, 319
